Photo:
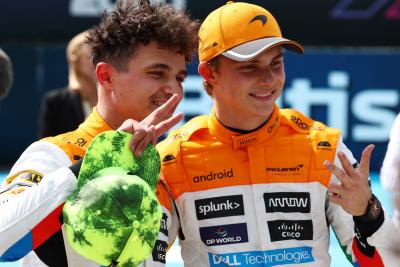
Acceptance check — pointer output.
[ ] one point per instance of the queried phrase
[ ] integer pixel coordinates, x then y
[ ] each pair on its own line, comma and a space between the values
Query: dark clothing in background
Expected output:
61, 111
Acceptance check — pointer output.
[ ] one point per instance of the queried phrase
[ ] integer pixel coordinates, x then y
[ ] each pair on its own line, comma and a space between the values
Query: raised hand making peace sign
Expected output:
153, 126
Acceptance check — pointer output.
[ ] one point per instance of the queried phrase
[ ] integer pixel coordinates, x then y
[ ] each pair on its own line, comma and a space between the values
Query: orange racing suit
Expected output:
261, 199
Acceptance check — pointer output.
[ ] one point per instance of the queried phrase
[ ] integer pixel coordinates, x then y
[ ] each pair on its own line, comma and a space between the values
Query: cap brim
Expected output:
252, 49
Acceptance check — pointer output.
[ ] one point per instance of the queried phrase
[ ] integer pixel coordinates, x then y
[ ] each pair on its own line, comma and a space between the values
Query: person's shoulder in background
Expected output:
60, 112
390, 171
60, 94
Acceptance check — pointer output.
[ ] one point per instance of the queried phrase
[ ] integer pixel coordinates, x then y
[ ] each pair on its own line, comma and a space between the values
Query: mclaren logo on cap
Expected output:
261, 18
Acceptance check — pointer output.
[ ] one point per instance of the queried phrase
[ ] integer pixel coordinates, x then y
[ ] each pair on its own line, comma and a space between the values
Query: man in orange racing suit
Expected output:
140, 52
255, 185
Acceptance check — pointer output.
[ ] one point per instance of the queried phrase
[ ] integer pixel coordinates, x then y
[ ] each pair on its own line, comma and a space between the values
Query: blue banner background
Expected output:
358, 92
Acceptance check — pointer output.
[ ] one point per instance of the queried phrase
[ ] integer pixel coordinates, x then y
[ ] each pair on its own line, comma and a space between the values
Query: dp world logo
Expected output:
221, 232
224, 234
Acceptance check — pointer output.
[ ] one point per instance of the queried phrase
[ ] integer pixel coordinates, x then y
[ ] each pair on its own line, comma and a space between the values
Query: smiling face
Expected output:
245, 92
152, 75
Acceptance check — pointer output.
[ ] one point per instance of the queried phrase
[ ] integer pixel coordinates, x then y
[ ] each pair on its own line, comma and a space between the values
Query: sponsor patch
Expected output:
5, 196
224, 234
273, 125
284, 256
211, 176
160, 251
290, 229
244, 141
287, 202
169, 159
29, 176
304, 126
324, 145
261, 18
80, 142
219, 207
213, 44
285, 171
163, 224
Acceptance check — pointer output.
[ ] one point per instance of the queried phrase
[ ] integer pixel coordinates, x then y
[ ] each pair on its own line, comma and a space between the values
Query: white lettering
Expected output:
367, 107
288, 202
161, 256
94, 8
291, 234
223, 240
228, 205
163, 224
89, 8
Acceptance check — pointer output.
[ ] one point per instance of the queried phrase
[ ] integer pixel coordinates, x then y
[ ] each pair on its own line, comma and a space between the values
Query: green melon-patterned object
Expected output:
114, 216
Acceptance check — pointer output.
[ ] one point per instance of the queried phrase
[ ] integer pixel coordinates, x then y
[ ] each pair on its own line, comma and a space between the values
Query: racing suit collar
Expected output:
240, 140
94, 124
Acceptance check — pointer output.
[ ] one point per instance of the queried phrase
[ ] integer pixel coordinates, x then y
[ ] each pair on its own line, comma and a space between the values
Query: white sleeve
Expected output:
387, 242
39, 182
341, 221
390, 172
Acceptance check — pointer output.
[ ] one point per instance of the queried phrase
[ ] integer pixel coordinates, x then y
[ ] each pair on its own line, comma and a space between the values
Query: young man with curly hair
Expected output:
140, 53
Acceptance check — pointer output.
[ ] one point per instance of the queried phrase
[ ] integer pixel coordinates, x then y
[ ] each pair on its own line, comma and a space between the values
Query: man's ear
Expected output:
103, 74
207, 72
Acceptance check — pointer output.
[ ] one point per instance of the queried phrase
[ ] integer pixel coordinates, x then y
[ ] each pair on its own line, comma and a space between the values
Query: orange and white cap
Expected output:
241, 32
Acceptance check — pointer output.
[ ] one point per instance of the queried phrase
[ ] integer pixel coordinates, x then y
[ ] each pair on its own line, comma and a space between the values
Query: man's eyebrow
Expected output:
159, 66
280, 54
166, 67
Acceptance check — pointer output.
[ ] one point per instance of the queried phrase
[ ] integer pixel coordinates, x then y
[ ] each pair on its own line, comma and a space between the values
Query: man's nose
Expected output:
268, 77
173, 87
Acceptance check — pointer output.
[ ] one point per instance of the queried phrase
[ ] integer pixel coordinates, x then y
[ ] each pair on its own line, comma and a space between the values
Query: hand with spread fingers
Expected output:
153, 126
353, 192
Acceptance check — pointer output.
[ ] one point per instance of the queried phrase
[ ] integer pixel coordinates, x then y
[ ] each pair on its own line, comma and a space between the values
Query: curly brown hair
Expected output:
136, 22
